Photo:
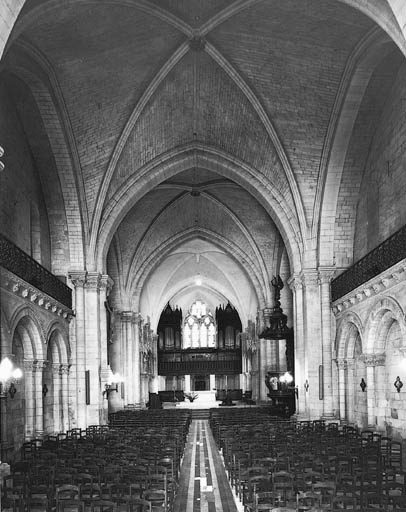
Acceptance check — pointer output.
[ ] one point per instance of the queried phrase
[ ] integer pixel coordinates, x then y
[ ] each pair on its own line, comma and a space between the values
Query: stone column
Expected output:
372, 361
106, 284
380, 392
93, 349
57, 405
263, 368
342, 366
154, 383
127, 355
78, 348
138, 333
39, 367
64, 371
296, 285
325, 277
312, 340
29, 366
351, 390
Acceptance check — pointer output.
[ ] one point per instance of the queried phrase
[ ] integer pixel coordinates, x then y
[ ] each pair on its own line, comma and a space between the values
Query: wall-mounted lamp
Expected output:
306, 386
44, 390
363, 385
398, 384
112, 385
8, 376
2, 166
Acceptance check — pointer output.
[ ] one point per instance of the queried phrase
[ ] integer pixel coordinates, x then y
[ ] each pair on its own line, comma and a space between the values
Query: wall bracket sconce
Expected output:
363, 385
398, 384
108, 388
306, 386
112, 384
7, 390
8, 375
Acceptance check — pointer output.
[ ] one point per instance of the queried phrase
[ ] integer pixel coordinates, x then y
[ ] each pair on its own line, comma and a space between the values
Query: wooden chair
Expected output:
283, 483
344, 503
67, 492
307, 501
103, 506
327, 491
138, 505
70, 506
39, 503
158, 500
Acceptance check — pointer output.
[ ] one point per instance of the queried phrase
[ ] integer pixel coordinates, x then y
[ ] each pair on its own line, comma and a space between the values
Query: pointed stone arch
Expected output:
184, 158
350, 326
32, 330
382, 314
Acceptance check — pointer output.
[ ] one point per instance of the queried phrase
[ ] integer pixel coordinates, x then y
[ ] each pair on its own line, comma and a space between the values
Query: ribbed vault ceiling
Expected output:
139, 83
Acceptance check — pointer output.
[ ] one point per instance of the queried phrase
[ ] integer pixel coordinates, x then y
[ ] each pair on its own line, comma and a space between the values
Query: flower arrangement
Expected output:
191, 396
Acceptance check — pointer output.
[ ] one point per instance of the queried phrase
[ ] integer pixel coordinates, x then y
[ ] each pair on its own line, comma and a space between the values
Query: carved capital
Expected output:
374, 359
29, 364
55, 368
93, 281
350, 363
341, 364
78, 278
106, 283
41, 364
310, 278
326, 274
64, 369
295, 282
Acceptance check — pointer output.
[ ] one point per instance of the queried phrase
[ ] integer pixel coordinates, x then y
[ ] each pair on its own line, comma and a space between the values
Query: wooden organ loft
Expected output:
199, 345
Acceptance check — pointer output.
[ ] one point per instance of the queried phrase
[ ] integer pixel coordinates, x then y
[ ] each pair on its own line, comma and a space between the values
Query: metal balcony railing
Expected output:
199, 367
13, 259
199, 361
387, 254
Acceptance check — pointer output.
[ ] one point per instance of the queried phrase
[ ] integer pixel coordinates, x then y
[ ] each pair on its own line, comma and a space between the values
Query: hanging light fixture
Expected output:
9, 375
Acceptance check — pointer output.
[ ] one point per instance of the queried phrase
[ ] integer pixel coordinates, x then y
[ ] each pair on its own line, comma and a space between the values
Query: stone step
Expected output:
200, 414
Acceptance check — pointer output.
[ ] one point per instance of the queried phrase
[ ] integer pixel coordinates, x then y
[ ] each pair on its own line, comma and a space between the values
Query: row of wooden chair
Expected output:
272, 463
125, 467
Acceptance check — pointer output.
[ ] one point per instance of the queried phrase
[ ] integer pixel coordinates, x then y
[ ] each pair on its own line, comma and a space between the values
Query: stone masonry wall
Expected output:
382, 207
22, 209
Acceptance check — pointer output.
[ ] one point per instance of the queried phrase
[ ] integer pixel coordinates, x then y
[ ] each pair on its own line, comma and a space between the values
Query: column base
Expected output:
329, 416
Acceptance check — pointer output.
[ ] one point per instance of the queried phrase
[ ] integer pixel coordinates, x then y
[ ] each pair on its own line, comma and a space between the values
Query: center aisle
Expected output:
204, 485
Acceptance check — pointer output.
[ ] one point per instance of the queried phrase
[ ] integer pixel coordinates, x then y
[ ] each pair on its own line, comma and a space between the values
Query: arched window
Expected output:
199, 330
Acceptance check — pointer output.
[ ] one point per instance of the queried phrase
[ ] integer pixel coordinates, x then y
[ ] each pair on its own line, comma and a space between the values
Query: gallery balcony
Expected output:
199, 361
16, 261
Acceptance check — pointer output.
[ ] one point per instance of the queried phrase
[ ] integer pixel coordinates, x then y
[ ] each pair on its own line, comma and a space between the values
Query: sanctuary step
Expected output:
204, 400
200, 414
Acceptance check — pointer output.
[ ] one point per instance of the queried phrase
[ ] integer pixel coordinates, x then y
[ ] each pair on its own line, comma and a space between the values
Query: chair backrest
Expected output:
67, 492
139, 505
70, 506
344, 503
307, 500
103, 506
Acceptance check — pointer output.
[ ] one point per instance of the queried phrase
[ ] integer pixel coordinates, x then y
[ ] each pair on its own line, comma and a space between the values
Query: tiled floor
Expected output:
204, 485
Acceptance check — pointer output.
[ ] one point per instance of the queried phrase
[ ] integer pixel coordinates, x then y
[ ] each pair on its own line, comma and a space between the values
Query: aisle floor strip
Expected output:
204, 486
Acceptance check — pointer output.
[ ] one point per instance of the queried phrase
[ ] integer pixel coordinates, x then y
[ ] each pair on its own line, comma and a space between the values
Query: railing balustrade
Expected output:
387, 254
13, 259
